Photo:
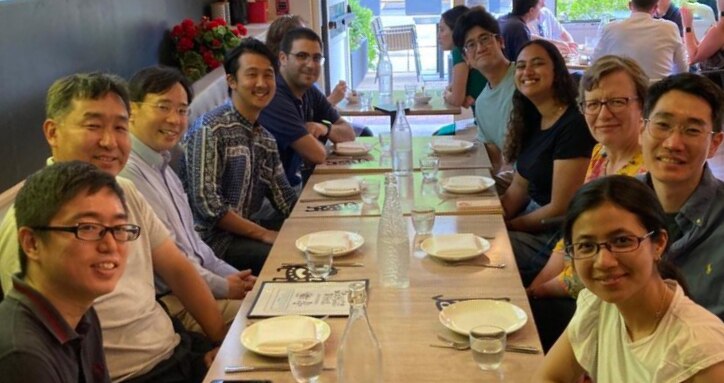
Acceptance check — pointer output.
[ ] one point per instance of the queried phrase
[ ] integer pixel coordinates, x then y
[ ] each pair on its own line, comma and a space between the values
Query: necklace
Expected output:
660, 312
547, 122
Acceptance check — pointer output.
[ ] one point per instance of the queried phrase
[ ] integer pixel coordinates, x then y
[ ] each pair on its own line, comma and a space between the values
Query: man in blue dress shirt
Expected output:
160, 98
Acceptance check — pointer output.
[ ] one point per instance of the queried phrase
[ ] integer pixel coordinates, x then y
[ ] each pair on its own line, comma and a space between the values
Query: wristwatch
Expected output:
329, 128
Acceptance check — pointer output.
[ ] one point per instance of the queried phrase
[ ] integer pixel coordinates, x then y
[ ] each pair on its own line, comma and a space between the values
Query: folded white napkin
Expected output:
448, 144
332, 241
454, 244
342, 185
463, 182
352, 146
277, 334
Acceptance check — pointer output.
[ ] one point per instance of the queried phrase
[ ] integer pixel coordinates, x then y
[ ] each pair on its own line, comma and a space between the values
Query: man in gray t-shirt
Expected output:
477, 35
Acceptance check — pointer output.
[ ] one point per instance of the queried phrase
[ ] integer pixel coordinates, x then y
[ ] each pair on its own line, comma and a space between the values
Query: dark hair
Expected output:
525, 117
46, 191
629, 194
157, 80
83, 86
693, 84
475, 17
279, 28
521, 7
295, 34
247, 45
644, 5
451, 16
611, 64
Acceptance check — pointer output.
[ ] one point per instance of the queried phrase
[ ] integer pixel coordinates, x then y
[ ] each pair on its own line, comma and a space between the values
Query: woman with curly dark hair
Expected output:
550, 144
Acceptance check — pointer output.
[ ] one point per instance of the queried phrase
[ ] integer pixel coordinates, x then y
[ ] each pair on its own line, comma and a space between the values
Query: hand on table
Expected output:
240, 283
316, 129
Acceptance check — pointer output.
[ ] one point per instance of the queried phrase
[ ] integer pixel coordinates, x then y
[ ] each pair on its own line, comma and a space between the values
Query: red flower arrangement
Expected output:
201, 47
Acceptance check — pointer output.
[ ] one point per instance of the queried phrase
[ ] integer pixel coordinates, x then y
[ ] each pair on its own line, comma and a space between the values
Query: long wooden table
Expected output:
404, 320
413, 190
376, 161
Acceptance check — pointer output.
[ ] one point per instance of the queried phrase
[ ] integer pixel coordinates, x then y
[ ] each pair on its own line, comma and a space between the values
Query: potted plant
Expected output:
362, 43
200, 48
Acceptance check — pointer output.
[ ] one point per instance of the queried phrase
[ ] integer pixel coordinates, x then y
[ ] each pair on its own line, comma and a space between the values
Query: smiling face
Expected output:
444, 36
253, 85
534, 72
66, 266
93, 131
485, 55
679, 160
619, 129
616, 278
301, 74
161, 119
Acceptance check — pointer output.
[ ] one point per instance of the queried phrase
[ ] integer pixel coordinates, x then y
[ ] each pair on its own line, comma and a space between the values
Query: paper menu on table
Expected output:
302, 298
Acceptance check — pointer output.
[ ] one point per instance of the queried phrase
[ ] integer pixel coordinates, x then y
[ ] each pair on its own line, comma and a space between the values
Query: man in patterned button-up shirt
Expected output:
231, 163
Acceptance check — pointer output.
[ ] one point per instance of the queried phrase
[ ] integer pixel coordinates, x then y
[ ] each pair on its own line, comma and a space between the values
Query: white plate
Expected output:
444, 149
481, 184
320, 188
355, 240
462, 316
249, 337
354, 151
429, 248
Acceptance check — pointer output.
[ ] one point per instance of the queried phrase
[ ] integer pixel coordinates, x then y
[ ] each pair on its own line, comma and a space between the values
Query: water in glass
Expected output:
319, 262
429, 167
488, 346
423, 219
370, 191
306, 360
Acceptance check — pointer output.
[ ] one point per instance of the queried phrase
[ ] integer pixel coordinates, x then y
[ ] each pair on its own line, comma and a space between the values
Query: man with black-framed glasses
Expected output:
300, 117
683, 127
477, 35
73, 229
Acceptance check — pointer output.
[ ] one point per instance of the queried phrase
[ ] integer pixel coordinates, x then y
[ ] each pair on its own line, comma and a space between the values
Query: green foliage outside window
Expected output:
590, 9
361, 28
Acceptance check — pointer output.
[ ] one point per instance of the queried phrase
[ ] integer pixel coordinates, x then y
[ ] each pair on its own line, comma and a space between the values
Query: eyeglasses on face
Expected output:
618, 244
482, 40
305, 57
166, 108
615, 104
87, 231
662, 128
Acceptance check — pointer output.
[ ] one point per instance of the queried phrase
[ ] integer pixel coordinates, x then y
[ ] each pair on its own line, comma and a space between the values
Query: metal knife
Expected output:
334, 264
236, 369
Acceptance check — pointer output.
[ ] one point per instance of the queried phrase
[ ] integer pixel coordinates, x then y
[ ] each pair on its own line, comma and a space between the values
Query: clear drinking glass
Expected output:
369, 191
423, 219
319, 261
385, 141
410, 90
488, 346
429, 167
364, 100
306, 360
